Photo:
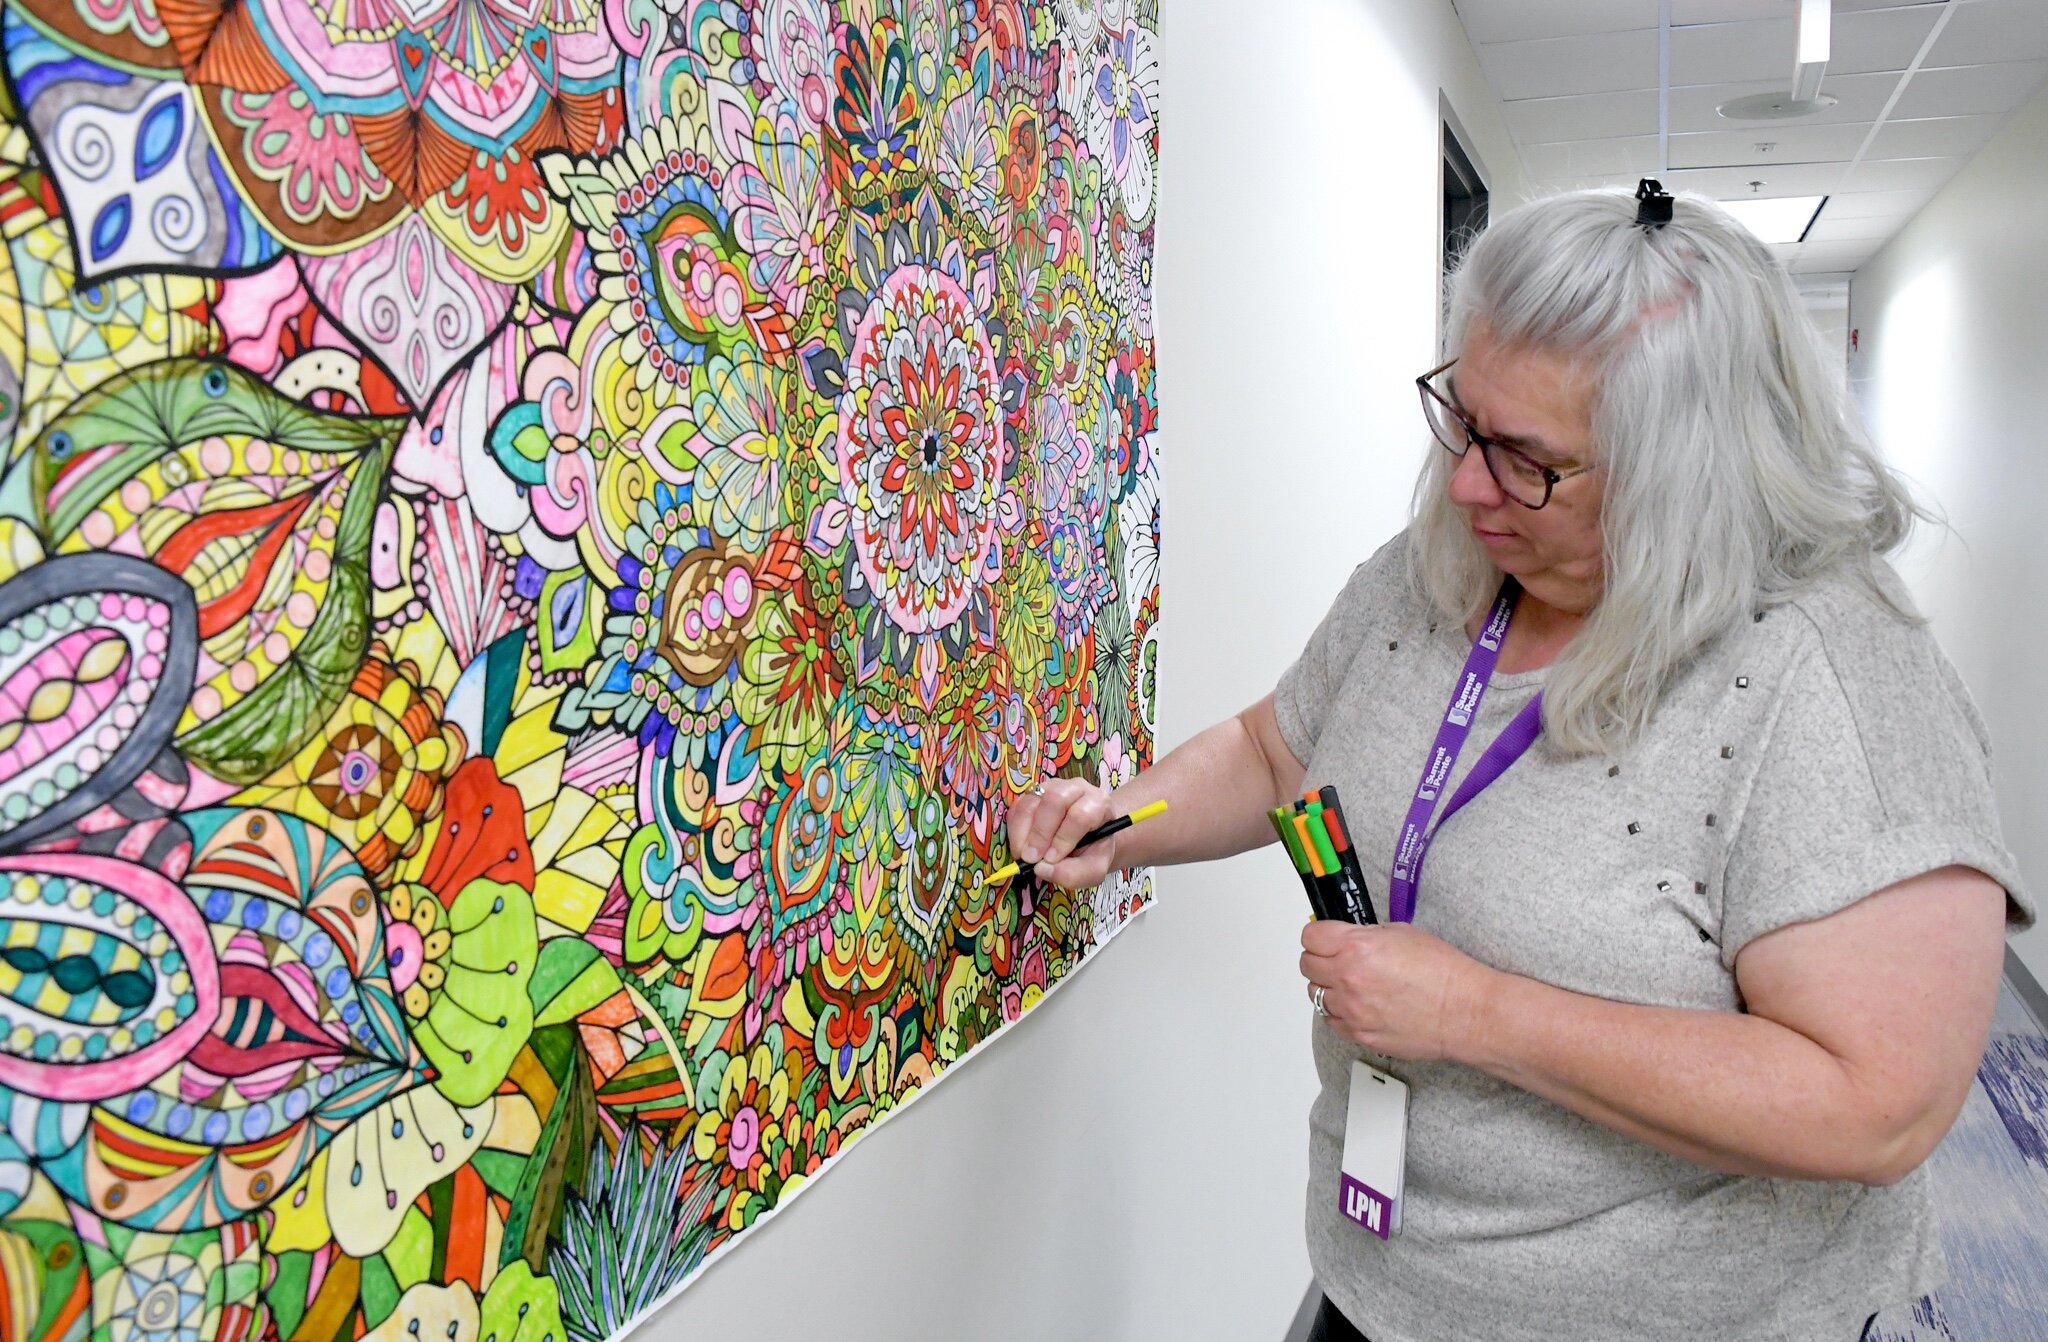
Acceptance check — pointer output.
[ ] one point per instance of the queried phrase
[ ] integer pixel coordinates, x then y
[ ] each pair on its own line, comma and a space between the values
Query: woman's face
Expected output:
1538, 402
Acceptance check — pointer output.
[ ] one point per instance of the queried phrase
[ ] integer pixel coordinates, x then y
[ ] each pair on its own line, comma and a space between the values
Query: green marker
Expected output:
1324, 848
1283, 821
1283, 824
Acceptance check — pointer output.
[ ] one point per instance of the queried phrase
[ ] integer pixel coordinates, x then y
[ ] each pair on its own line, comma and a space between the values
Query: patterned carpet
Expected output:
1991, 1187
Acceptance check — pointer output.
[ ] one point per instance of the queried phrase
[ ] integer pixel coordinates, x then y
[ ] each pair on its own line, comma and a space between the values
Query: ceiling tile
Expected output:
1731, 53
1718, 53
1737, 11
1624, 156
1988, 31
1903, 174
1587, 117
1859, 98
1787, 179
1553, 185
1837, 255
1830, 228
1881, 39
1790, 141
1724, 11
1971, 90
1519, 21
1932, 137
1557, 66
1861, 204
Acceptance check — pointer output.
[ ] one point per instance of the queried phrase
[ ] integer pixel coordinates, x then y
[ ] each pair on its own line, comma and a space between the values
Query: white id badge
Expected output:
1375, 1149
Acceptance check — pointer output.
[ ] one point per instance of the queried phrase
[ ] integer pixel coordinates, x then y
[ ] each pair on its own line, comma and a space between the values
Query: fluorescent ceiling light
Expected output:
1776, 218
1810, 55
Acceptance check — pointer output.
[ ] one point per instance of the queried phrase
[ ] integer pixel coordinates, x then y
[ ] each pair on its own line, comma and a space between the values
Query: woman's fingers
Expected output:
1038, 819
1087, 807
1022, 824
1045, 826
1330, 938
1034, 817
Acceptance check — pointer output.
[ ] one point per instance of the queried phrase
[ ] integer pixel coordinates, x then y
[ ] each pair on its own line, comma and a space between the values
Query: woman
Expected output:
1694, 987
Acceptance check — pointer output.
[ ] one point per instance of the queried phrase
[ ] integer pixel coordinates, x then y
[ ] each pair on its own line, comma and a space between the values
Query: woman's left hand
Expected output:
1394, 989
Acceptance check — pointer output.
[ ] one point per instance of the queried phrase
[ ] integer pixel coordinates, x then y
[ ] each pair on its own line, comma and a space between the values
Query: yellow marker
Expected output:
1121, 823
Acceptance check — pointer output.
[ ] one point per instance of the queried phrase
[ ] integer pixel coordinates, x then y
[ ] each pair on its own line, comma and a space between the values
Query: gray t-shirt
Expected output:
1801, 762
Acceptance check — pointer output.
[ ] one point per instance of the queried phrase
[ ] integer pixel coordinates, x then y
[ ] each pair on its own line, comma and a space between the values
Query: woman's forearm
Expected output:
1218, 785
1736, 1093
1859, 1044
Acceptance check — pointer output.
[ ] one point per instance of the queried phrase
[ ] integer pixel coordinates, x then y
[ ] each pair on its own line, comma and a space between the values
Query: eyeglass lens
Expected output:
1520, 478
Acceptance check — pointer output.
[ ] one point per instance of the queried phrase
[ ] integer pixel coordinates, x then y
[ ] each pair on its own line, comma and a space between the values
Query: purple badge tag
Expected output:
1368, 1206
1369, 1176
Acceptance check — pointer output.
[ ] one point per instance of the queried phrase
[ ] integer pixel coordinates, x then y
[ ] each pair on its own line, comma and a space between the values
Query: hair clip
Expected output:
1653, 206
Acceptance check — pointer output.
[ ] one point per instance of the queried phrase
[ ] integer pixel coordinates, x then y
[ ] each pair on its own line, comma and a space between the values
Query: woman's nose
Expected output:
1472, 485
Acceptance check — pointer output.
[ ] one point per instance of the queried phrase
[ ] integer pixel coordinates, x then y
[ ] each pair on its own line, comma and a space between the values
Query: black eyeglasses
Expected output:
1520, 476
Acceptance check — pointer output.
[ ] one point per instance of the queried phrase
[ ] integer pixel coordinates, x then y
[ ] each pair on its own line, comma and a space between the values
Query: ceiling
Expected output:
1922, 84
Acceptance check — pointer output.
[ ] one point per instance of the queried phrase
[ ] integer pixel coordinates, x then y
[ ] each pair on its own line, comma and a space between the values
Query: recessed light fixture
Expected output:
1776, 219
1775, 106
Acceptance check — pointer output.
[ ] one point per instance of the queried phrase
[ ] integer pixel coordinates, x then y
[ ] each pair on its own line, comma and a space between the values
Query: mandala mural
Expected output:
538, 541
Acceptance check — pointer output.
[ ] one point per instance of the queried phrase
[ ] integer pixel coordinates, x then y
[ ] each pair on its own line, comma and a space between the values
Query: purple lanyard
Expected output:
1508, 747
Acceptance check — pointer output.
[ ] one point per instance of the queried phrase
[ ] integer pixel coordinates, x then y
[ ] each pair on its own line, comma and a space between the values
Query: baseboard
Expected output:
2027, 987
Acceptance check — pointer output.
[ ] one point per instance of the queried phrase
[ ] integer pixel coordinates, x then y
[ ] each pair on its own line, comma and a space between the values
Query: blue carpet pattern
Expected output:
1991, 1189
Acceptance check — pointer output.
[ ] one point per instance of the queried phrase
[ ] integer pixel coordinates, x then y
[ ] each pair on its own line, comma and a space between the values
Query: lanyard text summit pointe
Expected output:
1513, 742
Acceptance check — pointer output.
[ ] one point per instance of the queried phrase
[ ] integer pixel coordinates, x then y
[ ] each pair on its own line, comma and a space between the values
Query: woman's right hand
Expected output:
1045, 826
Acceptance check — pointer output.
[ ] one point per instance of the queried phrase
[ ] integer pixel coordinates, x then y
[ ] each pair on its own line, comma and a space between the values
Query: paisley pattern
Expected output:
539, 541
263, 507
60, 337
339, 120
105, 973
305, 1040
96, 651
132, 161
145, 207
416, 307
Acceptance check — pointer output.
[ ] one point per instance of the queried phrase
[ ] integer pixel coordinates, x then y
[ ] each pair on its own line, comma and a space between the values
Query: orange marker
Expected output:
1308, 843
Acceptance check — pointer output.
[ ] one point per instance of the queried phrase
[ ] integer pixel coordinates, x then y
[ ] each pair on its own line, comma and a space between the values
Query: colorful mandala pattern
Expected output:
920, 447
539, 541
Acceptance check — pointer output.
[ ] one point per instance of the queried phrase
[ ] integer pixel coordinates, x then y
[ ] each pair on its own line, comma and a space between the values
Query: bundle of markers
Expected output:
1317, 840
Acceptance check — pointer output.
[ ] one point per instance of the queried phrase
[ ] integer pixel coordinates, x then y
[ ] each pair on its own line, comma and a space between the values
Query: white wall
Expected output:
1831, 318
1128, 1165
1952, 356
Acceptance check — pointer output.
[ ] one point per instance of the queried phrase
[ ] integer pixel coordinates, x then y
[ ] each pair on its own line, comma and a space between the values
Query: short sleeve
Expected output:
1307, 689
1876, 769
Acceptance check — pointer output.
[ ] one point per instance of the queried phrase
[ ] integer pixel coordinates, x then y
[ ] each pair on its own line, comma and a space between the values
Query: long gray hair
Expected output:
1733, 469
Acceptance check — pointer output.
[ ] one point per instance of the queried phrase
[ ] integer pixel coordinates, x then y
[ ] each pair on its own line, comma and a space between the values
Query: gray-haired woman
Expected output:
1696, 983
